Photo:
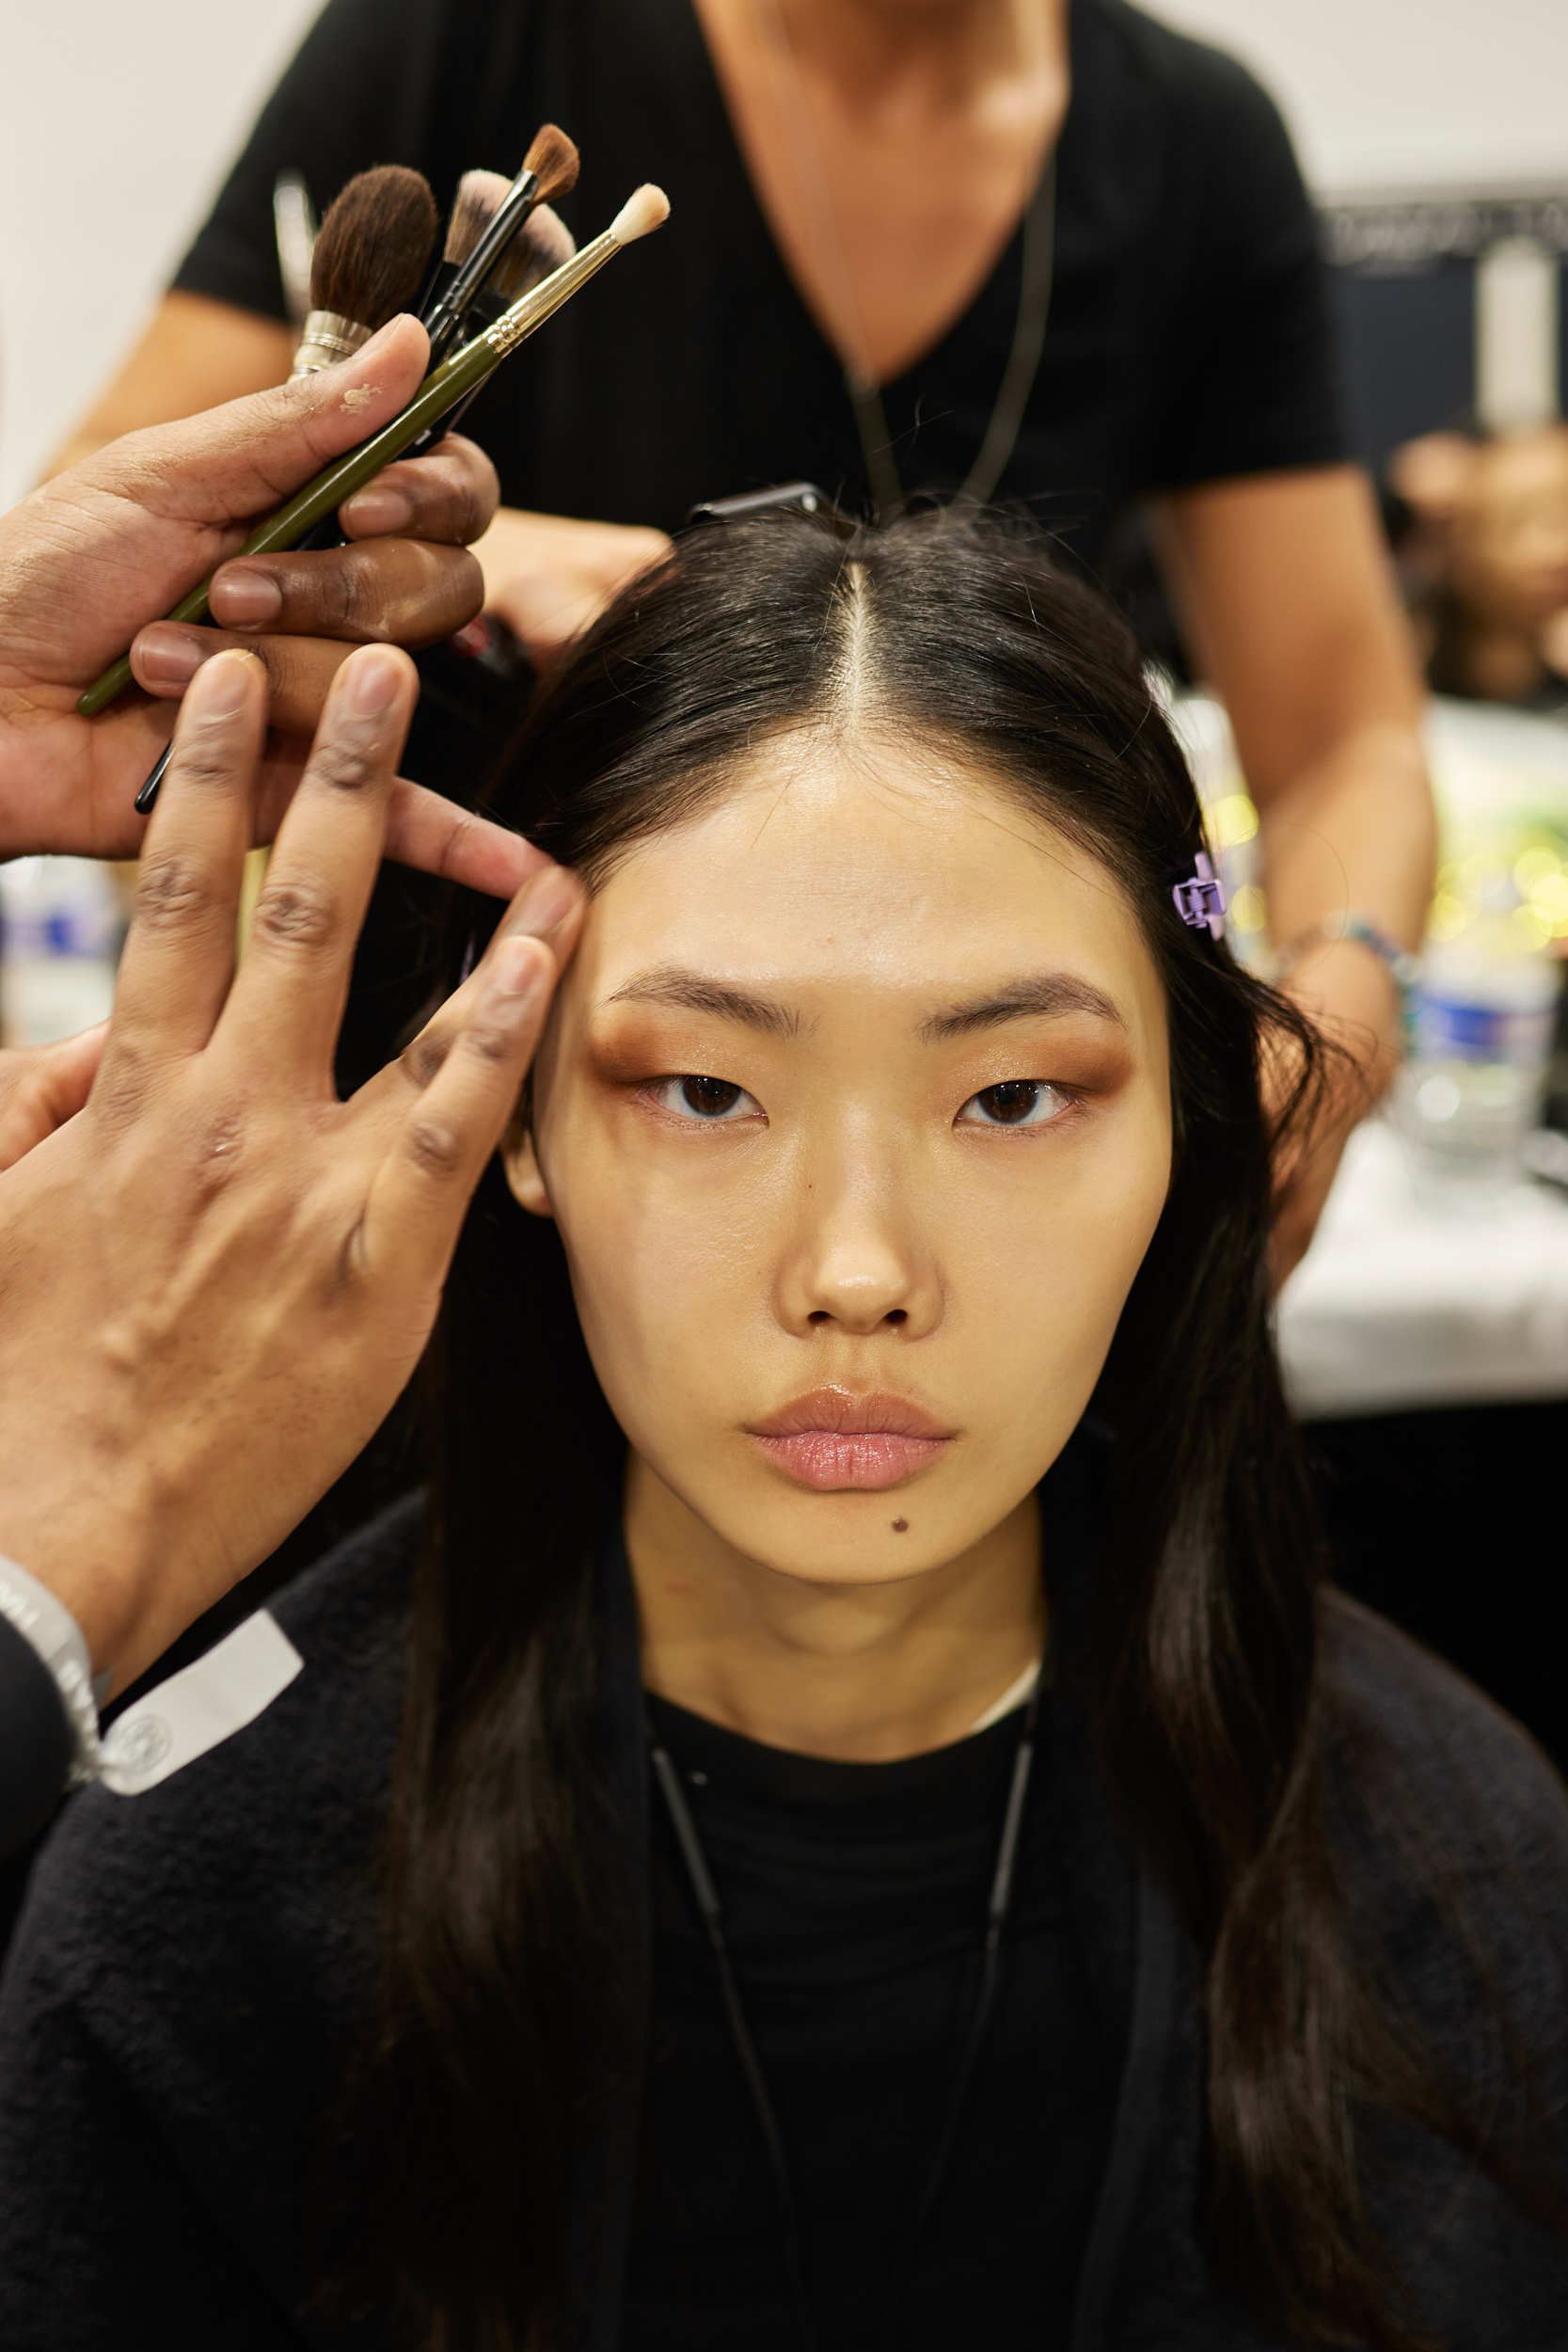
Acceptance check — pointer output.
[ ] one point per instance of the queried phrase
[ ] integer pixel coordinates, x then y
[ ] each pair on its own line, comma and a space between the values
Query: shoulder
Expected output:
283, 1813
1395, 1708
1450, 1823
1191, 77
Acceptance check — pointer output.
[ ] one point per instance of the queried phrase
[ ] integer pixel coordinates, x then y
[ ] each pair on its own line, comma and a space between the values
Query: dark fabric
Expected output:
855, 1899
1189, 334
37, 1740
193, 1961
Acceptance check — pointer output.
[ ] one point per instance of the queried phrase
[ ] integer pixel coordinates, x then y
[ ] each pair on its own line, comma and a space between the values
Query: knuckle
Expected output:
348, 763
120, 1096
423, 1061
365, 588
294, 915
172, 892
490, 1043
435, 1147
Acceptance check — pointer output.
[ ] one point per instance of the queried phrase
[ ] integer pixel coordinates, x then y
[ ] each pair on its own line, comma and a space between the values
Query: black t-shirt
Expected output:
854, 1902
1188, 337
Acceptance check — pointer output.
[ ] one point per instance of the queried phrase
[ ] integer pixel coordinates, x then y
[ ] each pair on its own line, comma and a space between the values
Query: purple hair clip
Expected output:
1200, 899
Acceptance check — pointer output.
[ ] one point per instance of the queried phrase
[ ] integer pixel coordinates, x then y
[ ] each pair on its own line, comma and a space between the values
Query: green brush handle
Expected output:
452, 381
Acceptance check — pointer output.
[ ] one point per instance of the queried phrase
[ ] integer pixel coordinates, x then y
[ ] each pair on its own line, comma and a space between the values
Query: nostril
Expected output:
895, 1314
819, 1314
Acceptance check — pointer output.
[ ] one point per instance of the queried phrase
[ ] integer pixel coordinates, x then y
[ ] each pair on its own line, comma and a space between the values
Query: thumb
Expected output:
231, 464
44, 1086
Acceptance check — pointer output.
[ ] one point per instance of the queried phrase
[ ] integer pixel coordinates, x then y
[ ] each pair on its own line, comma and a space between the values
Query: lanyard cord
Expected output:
711, 1911
1018, 380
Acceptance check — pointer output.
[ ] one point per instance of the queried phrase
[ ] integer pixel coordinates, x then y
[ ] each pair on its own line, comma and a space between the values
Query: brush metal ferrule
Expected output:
533, 308
328, 338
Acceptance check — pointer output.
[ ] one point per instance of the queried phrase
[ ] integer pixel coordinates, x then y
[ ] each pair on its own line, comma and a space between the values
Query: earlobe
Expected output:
523, 1174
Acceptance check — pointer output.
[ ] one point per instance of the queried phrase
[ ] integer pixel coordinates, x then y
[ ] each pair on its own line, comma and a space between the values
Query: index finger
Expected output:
286, 1004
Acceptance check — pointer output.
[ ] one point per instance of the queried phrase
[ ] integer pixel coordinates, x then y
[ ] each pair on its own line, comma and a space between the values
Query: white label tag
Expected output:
200, 1705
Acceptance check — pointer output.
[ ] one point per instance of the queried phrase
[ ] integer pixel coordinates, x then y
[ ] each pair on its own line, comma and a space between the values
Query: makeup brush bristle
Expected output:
541, 245
555, 159
645, 208
474, 208
373, 247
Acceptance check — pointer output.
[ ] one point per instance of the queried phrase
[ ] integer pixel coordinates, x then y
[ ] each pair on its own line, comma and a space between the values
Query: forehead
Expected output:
883, 867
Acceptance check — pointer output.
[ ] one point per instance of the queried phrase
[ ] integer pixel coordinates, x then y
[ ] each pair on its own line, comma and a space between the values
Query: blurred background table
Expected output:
1402, 1304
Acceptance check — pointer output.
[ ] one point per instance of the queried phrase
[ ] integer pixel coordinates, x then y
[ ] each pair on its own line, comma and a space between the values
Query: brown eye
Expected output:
713, 1100
1016, 1103
710, 1098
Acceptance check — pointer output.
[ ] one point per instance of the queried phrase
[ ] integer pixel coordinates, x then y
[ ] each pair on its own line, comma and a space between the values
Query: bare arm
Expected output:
1289, 605
194, 355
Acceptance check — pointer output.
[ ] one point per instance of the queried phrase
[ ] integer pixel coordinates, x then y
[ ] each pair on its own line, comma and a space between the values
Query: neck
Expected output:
952, 48
862, 1673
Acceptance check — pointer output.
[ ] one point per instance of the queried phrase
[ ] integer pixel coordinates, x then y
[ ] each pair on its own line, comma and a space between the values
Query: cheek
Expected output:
1040, 1264
668, 1252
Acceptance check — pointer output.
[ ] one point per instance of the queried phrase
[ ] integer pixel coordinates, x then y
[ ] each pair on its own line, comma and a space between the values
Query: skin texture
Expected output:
1283, 583
216, 1278
853, 1224
100, 552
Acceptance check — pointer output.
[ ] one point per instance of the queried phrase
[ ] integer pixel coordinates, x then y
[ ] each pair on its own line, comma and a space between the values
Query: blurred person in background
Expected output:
1483, 549
1033, 250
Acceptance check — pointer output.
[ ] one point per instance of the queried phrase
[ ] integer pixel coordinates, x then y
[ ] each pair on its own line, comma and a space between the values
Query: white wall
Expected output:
1405, 93
117, 121
118, 117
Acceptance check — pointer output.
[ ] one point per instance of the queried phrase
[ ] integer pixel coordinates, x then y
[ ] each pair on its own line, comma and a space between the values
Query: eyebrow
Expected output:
1046, 995
1050, 995
693, 993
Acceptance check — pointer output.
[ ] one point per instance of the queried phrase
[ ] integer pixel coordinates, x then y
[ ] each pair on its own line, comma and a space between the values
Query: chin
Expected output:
850, 1538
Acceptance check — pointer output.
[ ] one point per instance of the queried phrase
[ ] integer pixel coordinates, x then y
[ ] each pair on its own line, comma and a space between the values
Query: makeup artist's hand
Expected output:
105, 546
216, 1277
44, 1086
549, 577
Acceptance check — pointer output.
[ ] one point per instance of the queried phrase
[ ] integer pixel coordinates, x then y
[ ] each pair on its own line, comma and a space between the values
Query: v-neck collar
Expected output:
1005, 271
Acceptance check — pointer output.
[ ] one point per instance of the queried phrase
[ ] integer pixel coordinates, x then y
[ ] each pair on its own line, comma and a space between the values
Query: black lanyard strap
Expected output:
711, 1912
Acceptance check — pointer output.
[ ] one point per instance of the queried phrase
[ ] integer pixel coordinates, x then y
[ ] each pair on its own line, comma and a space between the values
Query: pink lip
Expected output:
834, 1438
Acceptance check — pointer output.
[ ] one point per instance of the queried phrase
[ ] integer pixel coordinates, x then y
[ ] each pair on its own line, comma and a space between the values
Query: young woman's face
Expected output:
854, 1115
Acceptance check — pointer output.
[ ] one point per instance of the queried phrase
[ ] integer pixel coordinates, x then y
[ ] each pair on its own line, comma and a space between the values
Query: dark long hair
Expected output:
1202, 1678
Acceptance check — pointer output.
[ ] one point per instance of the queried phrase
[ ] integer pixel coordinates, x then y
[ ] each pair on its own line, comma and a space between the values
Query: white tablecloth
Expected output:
1398, 1304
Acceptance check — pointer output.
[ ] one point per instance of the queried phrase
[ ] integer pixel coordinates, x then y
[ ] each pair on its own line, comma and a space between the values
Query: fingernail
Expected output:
169, 655
516, 977
378, 512
244, 599
224, 685
372, 682
543, 902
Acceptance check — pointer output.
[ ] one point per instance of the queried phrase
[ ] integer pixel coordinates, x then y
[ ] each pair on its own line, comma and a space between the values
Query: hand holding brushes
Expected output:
446, 385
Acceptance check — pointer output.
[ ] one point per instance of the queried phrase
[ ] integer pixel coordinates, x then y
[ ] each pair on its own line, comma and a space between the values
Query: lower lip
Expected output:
829, 1461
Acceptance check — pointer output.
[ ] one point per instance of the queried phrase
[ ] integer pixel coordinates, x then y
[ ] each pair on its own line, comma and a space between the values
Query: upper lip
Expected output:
851, 1413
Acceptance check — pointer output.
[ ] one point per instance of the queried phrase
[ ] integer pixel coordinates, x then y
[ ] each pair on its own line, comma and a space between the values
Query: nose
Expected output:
860, 1261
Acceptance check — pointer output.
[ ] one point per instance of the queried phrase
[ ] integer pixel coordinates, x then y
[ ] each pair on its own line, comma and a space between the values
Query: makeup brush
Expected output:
369, 261
644, 209
540, 245
296, 228
480, 196
549, 170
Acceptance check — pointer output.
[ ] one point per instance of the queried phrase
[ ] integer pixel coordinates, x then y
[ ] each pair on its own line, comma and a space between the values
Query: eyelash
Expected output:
667, 1091
1055, 1100
672, 1096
